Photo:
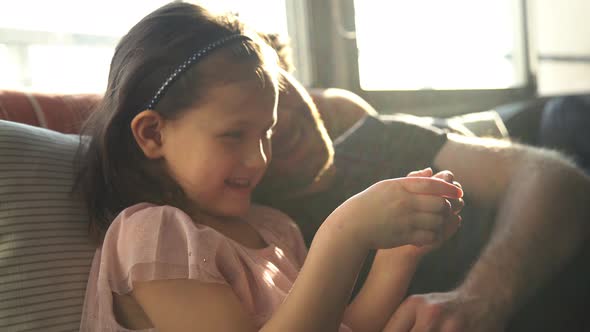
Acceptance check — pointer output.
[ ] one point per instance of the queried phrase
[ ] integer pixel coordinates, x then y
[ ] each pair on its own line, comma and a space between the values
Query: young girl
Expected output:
181, 139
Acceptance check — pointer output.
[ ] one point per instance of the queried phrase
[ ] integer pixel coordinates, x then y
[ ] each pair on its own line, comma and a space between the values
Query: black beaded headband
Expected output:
187, 63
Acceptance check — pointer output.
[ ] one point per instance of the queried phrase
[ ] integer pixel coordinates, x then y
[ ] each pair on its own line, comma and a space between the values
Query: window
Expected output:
440, 45
66, 46
562, 46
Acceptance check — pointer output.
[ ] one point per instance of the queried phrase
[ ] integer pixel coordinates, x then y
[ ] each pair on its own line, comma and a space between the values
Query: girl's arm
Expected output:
392, 271
388, 214
384, 289
315, 303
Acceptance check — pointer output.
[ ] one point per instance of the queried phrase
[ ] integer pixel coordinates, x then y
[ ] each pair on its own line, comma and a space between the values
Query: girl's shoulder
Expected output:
141, 211
153, 224
151, 242
148, 218
258, 214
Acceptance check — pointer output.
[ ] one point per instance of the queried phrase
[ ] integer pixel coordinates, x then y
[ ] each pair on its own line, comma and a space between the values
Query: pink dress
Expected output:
149, 242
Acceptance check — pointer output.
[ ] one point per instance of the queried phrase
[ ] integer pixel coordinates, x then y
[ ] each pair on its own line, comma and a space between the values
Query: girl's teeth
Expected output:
239, 182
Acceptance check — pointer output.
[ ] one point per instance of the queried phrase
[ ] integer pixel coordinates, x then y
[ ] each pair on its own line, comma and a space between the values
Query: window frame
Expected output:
334, 48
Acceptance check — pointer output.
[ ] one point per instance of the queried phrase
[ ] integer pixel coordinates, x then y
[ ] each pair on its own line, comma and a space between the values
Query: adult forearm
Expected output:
384, 289
322, 289
542, 220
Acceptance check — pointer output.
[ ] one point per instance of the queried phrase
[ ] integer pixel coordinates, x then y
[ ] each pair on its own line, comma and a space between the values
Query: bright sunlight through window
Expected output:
433, 44
66, 46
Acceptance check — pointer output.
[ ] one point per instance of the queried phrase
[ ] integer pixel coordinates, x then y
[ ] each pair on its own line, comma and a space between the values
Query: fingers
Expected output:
447, 176
457, 205
451, 226
434, 204
427, 172
403, 319
428, 222
431, 186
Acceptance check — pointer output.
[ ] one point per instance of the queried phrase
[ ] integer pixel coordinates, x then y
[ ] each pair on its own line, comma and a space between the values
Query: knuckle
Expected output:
402, 204
377, 186
432, 312
389, 187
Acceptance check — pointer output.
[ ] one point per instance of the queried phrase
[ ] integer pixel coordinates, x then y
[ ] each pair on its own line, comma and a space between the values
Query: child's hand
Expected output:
396, 212
457, 205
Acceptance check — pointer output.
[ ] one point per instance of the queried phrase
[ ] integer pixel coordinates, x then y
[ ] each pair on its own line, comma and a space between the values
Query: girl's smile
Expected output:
218, 150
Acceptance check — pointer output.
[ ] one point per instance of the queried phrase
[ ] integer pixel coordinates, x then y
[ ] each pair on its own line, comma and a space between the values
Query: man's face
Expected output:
301, 147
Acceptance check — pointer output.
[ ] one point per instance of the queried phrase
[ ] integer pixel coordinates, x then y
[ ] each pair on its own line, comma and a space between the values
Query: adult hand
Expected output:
445, 312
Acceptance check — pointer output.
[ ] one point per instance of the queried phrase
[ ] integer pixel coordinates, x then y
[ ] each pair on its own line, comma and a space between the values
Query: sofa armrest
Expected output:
62, 113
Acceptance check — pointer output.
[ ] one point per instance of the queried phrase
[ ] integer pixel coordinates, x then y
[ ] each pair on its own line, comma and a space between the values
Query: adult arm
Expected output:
543, 214
340, 109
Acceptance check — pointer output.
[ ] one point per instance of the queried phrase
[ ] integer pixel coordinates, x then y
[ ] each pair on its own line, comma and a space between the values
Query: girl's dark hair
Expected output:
113, 172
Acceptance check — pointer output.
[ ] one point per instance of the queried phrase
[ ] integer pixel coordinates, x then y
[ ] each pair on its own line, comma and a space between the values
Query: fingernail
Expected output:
426, 169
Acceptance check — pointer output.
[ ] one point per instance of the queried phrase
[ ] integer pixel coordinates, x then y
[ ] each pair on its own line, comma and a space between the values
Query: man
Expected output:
536, 201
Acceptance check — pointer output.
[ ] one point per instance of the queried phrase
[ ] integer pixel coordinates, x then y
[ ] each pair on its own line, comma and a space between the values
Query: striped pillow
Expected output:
45, 254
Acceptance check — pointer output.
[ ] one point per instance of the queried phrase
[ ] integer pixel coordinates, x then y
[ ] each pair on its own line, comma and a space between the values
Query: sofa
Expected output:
45, 254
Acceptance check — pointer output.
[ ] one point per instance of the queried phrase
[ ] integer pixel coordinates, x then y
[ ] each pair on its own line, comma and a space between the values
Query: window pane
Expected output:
106, 18
69, 50
58, 68
563, 78
272, 19
10, 74
563, 46
433, 44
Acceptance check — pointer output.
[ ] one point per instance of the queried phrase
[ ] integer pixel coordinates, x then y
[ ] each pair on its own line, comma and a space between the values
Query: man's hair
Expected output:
281, 45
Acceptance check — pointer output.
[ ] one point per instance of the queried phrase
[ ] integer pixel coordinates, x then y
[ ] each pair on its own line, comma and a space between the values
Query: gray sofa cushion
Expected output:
45, 254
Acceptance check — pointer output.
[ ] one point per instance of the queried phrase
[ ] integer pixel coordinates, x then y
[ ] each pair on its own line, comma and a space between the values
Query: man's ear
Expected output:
147, 130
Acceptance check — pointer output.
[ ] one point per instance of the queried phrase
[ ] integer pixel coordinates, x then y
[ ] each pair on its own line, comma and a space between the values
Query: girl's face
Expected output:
219, 150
